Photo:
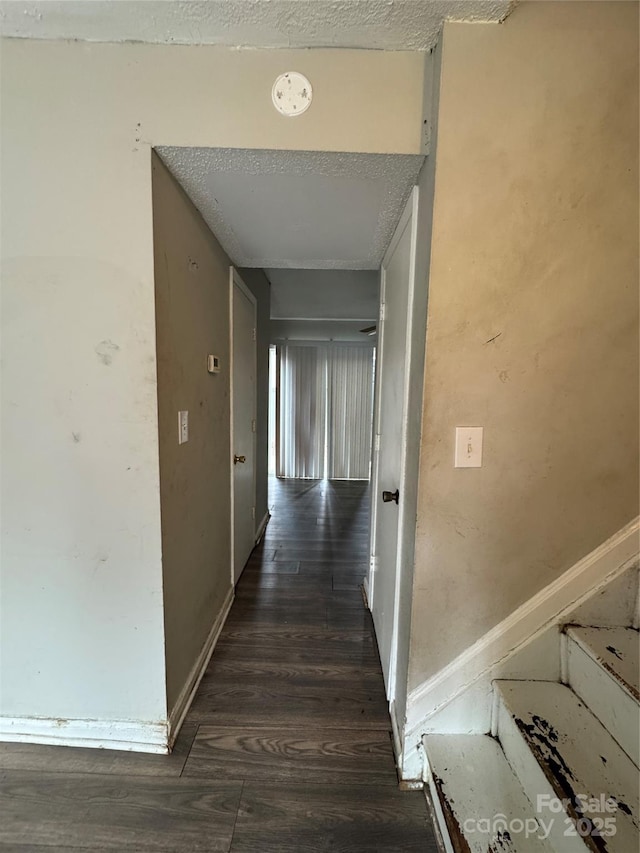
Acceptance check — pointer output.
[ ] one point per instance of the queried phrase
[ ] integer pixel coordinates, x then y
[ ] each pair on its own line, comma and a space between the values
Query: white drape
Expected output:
350, 402
326, 405
303, 412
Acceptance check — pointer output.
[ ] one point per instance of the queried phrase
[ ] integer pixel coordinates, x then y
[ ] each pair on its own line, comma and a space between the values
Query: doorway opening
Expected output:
308, 233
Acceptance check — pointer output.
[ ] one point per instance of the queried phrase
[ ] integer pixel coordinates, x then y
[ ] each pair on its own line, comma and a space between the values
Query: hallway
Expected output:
287, 745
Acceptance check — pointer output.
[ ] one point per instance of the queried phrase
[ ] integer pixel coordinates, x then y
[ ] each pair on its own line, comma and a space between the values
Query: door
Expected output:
389, 460
243, 423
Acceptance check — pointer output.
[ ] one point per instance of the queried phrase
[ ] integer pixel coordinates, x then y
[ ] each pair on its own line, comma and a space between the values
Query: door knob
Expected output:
387, 497
241, 459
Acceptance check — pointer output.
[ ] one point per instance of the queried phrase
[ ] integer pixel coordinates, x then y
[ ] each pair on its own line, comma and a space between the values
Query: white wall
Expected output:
82, 613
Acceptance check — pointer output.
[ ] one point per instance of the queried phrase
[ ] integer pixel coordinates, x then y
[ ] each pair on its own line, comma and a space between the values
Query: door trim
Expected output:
409, 218
236, 281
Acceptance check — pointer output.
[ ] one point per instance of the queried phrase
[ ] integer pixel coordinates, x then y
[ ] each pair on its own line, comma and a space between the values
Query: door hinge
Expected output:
376, 442
382, 311
254, 334
253, 513
253, 425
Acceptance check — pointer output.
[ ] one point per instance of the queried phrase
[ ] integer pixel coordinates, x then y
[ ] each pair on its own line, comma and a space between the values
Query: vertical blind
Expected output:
303, 411
326, 409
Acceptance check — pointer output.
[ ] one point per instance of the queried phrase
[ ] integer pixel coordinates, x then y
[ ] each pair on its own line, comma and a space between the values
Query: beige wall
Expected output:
533, 314
82, 599
192, 320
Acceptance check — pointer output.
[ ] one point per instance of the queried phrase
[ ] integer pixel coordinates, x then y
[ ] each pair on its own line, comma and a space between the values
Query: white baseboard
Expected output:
188, 692
262, 526
529, 623
135, 736
98, 734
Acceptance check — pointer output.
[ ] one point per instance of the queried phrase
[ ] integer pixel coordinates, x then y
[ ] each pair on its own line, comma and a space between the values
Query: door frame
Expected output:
408, 219
236, 281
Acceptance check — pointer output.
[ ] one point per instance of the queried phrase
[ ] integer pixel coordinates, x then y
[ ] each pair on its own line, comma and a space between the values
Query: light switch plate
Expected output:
468, 447
183, 427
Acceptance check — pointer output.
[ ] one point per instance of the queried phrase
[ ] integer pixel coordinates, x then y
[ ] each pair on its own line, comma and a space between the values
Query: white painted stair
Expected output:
477, 797
559, 772
602, 668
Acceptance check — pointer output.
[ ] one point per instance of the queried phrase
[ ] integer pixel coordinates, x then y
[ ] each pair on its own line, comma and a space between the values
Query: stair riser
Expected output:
605, 697
438, 813
535, 783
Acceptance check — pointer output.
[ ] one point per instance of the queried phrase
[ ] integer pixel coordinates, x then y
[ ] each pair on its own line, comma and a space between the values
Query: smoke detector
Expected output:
292, 94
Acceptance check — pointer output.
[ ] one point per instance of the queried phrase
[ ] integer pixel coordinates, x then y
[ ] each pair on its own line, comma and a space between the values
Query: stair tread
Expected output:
482, 795
577, 754
615, 649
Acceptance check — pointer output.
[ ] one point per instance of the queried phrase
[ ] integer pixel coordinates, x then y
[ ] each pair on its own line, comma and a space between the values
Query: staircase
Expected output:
559, 771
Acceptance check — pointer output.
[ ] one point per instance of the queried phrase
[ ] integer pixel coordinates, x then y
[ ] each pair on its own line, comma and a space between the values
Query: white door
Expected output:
243, 424
389, 460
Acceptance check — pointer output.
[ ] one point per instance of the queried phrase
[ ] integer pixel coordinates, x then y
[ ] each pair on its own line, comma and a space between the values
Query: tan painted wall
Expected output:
192, 320
533, 314
82, 601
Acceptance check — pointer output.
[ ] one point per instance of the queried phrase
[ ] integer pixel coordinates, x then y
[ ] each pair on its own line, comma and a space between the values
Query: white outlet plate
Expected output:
183, 427
468, 447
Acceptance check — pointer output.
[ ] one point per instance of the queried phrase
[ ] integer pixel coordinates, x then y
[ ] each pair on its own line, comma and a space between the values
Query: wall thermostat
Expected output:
292, 94
213, 364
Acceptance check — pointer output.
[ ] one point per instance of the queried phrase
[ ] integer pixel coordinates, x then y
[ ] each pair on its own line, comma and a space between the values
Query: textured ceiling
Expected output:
297, 209
381, 24
324, 294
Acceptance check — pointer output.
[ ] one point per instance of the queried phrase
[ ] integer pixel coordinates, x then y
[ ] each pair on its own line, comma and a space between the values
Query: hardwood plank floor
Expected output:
141, 813
56, 759
336, 818
287, 745
295, 755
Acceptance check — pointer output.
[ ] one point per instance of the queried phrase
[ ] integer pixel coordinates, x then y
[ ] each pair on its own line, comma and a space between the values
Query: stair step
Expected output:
617, 650
480, 799
564, 756
603, 668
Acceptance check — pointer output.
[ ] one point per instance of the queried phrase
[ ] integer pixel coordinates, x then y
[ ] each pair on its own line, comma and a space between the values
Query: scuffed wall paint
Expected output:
82, 611
533, 315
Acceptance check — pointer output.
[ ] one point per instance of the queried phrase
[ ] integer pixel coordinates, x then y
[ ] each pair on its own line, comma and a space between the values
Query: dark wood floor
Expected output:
287, 745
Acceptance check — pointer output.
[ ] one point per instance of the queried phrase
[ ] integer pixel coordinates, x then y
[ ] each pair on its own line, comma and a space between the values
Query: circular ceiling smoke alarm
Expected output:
292, 94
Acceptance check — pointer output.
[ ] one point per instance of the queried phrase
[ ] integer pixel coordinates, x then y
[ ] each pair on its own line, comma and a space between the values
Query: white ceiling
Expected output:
324, 294
377, 24
297, 209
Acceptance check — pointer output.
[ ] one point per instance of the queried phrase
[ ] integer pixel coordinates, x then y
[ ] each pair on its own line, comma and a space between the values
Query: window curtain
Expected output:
303, 413
326, 409
350, 409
